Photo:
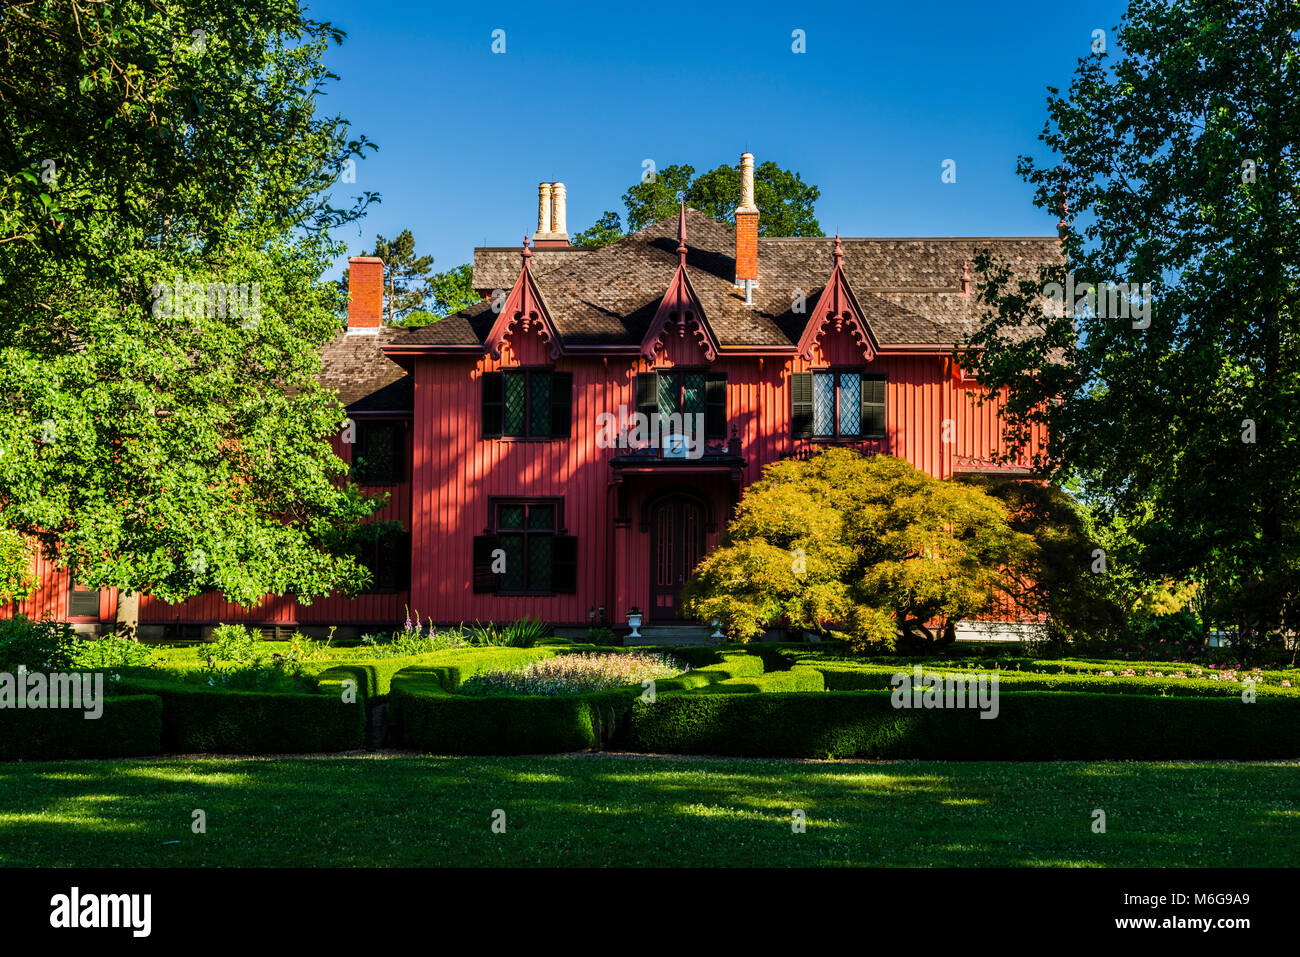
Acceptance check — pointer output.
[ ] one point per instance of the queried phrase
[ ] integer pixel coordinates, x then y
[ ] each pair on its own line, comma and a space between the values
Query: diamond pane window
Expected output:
850, 403
824, 403
512, 579
541, 517
516, 397
693, 393
539, 404
526, 532
539, 562
668, 397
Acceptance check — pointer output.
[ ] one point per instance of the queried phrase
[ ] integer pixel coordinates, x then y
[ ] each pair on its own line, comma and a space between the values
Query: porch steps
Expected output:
675, 635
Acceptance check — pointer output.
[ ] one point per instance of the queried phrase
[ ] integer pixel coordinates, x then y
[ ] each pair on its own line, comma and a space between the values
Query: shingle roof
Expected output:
909, 288
365, 378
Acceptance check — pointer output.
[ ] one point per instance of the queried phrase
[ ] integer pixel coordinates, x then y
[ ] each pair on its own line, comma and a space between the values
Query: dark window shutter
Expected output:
493, 403
561, 404
564, 569
873, 405
801, 404
715, 405
647, 393
484, 580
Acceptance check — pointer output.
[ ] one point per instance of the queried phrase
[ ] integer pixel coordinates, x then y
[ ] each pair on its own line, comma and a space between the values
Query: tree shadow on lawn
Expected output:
593, 810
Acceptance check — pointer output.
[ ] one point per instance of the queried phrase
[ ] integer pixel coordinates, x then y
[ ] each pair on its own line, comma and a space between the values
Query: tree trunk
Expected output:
128, 616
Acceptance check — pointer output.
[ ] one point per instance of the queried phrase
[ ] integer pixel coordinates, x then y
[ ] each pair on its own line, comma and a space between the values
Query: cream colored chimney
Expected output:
747, 184
558, 212
543, 212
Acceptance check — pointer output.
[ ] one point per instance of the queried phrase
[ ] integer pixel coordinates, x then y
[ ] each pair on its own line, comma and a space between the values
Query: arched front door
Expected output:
676, 547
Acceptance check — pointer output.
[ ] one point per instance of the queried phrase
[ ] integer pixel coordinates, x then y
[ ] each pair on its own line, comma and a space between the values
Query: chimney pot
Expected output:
559, 215
543, 212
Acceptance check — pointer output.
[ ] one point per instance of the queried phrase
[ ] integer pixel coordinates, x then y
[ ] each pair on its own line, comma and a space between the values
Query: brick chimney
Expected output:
747, 230
366, 294
551, 216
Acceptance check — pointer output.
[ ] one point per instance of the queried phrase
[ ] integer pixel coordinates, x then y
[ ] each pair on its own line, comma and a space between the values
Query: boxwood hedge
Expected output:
1031, 725
253, 722
130, 726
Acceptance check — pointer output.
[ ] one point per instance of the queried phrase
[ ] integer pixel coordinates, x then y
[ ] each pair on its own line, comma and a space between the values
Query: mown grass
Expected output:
587, 810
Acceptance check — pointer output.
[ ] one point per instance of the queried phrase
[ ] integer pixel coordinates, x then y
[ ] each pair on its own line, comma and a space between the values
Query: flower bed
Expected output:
574, 674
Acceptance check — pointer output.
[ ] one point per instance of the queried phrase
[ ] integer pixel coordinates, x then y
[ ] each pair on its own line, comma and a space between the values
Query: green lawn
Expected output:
385, 809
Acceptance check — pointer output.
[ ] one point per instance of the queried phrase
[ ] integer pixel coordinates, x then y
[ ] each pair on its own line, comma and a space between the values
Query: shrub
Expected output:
110, 651
405, 644
1031, 726
601, 636
130, 726
39, 645
237, 643
520, 634
427, 718
573, 674
217, 720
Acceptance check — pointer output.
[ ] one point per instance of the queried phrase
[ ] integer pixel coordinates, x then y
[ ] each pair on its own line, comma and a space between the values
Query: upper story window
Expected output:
688, 392
838, 404
527, 403
379, 453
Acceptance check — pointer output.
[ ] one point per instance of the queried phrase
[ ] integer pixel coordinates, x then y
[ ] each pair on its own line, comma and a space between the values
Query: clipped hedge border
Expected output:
253, 722
130, 726
428, 718
1031, 726
842, 676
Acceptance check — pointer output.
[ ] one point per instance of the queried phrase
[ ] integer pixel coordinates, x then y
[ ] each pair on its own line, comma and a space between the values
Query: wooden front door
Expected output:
676, 547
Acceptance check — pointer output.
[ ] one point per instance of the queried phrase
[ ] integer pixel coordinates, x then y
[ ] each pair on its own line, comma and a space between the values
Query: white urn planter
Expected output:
634, 622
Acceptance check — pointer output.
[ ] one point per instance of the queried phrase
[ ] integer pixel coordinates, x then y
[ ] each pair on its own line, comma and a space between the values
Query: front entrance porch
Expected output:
666, 520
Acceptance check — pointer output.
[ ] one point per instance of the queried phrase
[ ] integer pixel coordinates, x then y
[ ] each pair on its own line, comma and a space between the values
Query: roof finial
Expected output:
839, 253
965, 278
681, 235
528, 253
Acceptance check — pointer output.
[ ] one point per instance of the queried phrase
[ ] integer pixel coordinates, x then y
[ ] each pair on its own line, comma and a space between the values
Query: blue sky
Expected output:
583, 94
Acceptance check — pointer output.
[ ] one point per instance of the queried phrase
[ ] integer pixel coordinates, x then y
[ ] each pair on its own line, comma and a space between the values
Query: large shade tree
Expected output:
165, 184
1175, 152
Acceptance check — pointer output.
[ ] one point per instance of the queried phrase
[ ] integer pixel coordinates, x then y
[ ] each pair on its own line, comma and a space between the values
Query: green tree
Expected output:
406, 275
1085, 590
608, 229
16, 579
447, 292
165, 207
1178, 159
863, 546
785, 201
